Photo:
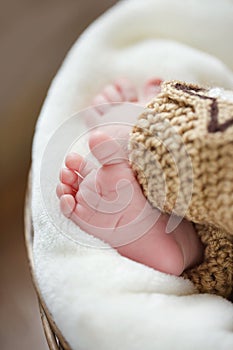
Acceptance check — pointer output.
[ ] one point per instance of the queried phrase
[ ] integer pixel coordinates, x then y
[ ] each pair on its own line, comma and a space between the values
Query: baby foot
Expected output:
122, 90
108, 203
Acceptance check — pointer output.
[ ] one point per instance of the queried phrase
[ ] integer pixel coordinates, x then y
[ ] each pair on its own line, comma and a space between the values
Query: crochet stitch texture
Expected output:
181, 149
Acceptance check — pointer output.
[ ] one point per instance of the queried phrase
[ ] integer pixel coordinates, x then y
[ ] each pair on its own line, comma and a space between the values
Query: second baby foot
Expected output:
120, 91
108, 201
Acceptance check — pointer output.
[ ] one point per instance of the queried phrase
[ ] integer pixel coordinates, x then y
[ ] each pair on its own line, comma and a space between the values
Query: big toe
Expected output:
106, 150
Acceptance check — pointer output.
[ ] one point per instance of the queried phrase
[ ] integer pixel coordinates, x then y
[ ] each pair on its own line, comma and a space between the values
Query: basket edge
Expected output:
53, 335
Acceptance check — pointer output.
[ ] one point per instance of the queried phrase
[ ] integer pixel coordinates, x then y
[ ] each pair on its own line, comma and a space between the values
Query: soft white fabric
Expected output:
99, 299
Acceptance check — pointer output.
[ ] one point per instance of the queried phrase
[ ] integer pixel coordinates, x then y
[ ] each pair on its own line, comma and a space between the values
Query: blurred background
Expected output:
35, 35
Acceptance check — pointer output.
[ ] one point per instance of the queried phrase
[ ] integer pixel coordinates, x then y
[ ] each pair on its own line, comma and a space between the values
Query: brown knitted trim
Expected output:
214, 124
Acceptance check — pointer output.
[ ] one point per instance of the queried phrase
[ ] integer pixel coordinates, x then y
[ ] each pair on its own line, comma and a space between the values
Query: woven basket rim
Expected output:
53, 335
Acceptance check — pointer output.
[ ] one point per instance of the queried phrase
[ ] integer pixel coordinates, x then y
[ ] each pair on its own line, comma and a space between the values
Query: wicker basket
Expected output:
53, 335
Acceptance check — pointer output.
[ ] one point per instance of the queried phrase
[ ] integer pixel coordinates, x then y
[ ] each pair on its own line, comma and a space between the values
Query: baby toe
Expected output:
64, 189
126, 89
67, 204
106, 150
79, 164
68, 177
112, 93
101, 103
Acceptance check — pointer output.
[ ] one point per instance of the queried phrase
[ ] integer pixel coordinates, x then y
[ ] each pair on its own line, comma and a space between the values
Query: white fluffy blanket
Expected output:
99, 299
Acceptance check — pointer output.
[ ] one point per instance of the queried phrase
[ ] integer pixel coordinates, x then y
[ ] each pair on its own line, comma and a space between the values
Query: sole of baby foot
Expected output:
86, 197
167, 253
